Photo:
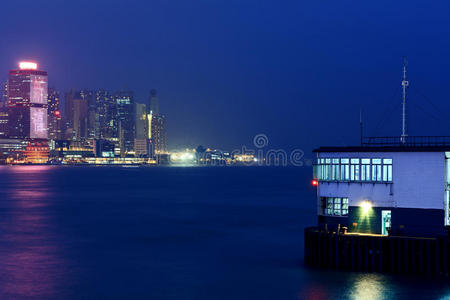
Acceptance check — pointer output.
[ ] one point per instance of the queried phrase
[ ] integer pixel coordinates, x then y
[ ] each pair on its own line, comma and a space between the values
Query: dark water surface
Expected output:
170, 233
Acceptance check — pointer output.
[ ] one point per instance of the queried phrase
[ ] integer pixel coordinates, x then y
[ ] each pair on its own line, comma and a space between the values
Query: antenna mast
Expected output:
405, 84
360, 127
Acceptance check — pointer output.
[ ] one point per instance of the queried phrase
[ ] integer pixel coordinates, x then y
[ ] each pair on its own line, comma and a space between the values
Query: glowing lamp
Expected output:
366, 206
28, 65
315, 182
57, 113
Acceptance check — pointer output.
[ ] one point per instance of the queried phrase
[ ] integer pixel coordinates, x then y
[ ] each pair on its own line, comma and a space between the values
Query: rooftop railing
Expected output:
409, 141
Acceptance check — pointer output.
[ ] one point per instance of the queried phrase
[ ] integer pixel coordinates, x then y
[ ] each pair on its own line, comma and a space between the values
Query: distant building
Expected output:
158, 134
54, 115
3, 122
141, 121
104, 148
141, 142
91, 125
105, 116
4, 94
124, 101
37, 152
11, 149
156, 126
76, 116
27, 102
153, 102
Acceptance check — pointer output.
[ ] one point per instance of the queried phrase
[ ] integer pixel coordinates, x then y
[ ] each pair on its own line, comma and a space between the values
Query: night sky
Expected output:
297, 71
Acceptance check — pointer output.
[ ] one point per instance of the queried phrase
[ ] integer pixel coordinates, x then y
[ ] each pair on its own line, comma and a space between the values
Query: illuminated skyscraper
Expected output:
141, 142
3, 122
27, 102
141, 121
54, 115
105, 116
4, 94
157, 125
4, 111
158, 131
124, 102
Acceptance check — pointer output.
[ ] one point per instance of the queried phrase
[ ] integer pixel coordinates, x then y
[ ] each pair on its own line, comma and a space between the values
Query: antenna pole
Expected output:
360, 127
405, 84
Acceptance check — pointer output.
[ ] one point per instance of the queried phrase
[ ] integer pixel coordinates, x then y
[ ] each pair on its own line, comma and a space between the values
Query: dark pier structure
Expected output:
376, 253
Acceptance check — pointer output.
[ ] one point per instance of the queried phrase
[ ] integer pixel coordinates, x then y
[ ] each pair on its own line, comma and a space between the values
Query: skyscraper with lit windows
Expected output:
54, 115
27, 102
125, 116
157, 125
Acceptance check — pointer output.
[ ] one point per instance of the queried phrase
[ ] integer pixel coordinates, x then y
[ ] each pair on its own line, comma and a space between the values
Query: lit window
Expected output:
354, 169
365, 169
376, 169
387, 170
335, 206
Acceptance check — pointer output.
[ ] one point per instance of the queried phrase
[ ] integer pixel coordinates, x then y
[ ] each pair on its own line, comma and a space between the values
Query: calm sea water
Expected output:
170, 233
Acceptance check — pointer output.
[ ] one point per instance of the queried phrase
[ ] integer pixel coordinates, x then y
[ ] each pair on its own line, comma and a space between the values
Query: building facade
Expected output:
54, 116
125, 116
27, 102
76, 116
158, 134
384, 190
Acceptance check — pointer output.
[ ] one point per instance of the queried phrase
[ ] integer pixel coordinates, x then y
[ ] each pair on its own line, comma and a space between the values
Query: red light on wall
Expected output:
315, 182
57, 113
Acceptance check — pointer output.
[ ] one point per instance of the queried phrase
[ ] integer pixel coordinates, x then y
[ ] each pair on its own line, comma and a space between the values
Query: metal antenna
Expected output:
405, 84
360, 127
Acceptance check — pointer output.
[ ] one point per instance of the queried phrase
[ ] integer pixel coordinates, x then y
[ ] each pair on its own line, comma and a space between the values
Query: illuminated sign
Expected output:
27, 65
38, 124
38, 89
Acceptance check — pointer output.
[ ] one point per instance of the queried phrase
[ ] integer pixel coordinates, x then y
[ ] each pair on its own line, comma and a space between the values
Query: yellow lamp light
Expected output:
366, 206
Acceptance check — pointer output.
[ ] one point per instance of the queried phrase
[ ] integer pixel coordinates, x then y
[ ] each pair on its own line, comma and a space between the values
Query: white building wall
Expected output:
418, 181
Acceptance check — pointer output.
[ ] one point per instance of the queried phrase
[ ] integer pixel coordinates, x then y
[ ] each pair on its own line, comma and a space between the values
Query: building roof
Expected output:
395, 144
383, 149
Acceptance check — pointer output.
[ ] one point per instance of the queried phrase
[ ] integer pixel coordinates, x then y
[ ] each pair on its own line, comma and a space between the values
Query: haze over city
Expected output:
228, 70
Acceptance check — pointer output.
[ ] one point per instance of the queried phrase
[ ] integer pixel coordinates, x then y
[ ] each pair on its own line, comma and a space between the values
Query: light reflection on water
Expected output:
370, 287
30, 258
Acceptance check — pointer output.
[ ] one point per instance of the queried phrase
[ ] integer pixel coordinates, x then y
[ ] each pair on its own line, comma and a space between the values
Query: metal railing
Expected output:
409, 141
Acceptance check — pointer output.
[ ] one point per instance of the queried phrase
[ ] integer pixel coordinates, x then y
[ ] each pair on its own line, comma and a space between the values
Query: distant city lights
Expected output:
28, 65
183, 157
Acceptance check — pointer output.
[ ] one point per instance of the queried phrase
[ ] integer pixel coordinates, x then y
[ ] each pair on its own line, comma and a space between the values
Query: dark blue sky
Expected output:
297, 71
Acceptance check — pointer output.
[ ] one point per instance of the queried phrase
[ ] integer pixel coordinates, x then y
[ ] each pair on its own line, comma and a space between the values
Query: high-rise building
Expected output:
3, 122
105, 117
141, 121
124, 102
157, 125
4, 111
158, 134
153, 102
90, 98
4, 94
54, 115
141, 142
27, 102
76, 116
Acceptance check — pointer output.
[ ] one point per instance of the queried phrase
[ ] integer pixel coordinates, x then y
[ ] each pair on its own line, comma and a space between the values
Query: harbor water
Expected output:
171, 233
